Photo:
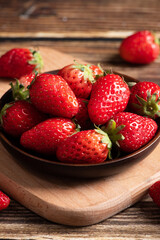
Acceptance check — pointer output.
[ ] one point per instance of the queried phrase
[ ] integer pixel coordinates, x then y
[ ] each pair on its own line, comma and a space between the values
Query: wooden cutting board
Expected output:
75, 202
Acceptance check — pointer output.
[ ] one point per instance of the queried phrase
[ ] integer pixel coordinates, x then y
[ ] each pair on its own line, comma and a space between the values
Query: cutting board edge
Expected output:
79, 217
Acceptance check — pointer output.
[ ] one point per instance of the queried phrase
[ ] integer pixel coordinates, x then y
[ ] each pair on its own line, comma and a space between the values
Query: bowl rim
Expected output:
106, 162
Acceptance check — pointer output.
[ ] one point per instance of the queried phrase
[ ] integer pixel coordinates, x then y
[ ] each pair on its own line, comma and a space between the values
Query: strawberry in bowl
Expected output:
79, 136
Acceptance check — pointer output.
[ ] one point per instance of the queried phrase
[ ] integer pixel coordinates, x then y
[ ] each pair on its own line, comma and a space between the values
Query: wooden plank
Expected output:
73, 201
137, 223
74, 19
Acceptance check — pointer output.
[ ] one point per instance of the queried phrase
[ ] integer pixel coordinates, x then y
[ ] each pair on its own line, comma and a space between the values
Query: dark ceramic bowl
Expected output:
40, 164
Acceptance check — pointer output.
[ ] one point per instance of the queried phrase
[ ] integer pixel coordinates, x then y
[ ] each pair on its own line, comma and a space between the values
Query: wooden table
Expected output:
91, 30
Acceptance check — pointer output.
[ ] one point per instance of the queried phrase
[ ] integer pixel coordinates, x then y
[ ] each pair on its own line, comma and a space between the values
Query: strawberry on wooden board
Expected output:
141, 48
46, 136
51, 94
19, 116
130, 131
82, 116
145, 99
4, 201
89, 146
154, 192
18, 62
110, 94
80, 77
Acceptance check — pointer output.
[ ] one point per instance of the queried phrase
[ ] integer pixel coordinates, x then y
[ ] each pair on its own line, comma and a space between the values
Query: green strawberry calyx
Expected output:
156, 39
105, 140
19, 92
3, 112
131, 84
114, 132
36, 60
77, 126
149, 107
87, 71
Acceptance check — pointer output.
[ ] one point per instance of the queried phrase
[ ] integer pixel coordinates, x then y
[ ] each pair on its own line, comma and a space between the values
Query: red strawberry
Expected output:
89, 146
19, 61
51, 94
110, 94
82, 116
27, 79
80, 77
4, 201
18, 117
154, 193
46, 136
130, 130
141, 48
145, 99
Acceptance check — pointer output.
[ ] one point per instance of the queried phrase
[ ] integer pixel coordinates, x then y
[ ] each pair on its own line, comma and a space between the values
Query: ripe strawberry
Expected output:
154, 192
18, 117
51, 94
19, 61
130, 130
110, 94
27, 79
80, 78
141, 48
89, 146
4, 201
46, 136
145, 99
82, 116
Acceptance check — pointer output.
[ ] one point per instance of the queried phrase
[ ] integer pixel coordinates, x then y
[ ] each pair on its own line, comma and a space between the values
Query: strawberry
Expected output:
80, 77
19, 61
141, 47
89, 146
51, 94
130, 131
46, 136
27, 79
18, 117
154, 192
110, 94
82, 116
4, 201
145, 99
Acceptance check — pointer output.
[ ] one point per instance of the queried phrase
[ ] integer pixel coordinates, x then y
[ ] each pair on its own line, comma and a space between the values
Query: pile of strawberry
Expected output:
80, 115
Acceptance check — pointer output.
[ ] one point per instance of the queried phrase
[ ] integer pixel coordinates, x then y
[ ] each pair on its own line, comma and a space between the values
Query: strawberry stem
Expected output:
149, 107
36, 60
131, 84
88, 73
114, 132
3, 112
19, 92
78, 127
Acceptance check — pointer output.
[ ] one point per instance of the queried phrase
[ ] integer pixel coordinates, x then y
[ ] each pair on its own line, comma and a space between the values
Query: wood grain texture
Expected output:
71, 201
77, 19
140, 222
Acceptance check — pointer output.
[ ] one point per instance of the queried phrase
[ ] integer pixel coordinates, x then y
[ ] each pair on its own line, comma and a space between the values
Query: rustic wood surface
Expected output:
92, 31
77, 18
